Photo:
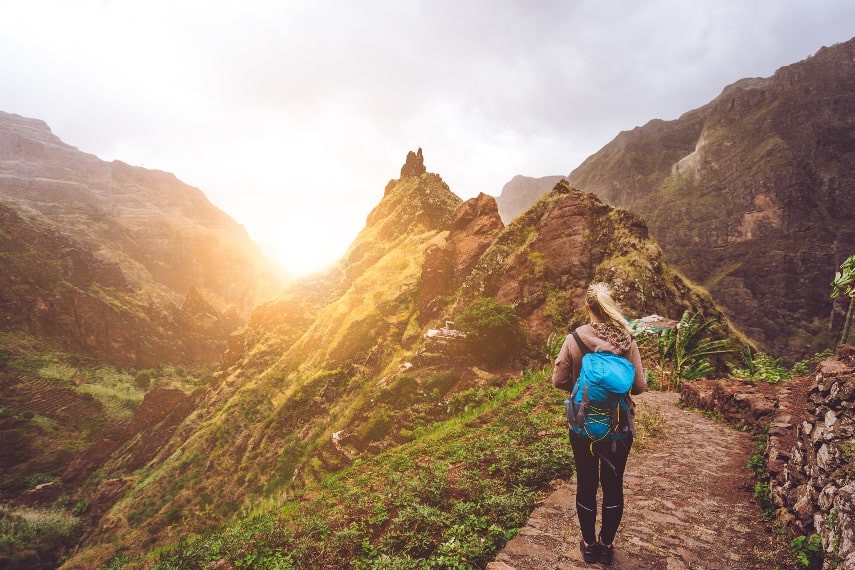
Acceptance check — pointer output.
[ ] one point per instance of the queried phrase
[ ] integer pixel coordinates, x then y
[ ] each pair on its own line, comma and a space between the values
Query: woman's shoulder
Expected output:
584, 329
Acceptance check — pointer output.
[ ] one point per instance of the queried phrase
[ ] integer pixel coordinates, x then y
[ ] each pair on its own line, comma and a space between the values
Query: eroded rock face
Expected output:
474, 226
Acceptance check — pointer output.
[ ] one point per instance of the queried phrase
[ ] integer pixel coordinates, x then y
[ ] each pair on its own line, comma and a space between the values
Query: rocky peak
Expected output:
474, 227
418, 201
415, 164
543, 261
21, 136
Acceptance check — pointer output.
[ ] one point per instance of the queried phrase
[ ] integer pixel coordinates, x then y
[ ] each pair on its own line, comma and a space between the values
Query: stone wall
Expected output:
810, 452
814, 491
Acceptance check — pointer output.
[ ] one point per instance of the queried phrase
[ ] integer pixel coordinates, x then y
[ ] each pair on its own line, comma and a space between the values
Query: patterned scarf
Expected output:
615, 335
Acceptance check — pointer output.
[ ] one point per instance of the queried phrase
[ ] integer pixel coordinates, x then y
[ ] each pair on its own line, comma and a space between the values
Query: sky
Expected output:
292, 115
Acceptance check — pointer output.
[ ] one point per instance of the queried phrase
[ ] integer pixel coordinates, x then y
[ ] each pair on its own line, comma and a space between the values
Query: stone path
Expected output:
689, 505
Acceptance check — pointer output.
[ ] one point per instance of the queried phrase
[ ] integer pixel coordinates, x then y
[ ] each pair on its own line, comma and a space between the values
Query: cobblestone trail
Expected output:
688, 505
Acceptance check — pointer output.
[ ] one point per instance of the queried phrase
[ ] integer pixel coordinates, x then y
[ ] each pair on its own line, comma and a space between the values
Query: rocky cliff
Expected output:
751, 195
543, 261
127, 264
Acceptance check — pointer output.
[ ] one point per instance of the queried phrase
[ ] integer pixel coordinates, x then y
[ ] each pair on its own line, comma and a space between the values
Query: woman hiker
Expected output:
602, 461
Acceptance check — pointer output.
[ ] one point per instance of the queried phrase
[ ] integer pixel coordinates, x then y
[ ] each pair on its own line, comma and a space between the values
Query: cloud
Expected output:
275, 108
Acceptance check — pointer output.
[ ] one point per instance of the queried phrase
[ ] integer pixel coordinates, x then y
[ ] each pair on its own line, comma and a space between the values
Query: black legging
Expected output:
604, 467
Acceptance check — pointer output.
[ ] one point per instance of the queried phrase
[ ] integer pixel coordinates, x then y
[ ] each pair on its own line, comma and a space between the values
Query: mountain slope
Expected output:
139, 248
751, 195
337, 367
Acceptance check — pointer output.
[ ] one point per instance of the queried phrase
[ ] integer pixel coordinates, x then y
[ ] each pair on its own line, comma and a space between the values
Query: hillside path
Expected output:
688, 505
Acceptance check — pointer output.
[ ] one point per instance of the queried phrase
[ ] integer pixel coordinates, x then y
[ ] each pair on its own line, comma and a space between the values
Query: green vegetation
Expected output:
33, 538
553, 307
762, 367
495, 332
808, 550
29, 481
832, 555
683, 353
57, 403
757, 465
844, 284
450, 498
116, 390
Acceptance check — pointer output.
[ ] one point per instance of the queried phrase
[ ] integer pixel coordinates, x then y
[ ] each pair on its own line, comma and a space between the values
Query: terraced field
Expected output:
49, 398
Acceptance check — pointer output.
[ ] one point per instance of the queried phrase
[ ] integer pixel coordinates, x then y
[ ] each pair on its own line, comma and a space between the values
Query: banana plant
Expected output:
844, 284
683, 352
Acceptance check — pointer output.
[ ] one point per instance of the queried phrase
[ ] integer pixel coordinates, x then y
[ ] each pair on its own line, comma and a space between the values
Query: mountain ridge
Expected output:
756, 184
147, 239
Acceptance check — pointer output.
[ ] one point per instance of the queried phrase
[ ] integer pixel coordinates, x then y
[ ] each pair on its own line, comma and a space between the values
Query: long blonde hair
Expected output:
599, 299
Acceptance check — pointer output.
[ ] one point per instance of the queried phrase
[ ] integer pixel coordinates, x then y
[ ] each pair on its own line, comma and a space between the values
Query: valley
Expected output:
169, 400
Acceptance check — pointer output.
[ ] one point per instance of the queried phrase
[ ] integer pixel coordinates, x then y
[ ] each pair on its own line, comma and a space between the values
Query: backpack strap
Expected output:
582, 346
585, 350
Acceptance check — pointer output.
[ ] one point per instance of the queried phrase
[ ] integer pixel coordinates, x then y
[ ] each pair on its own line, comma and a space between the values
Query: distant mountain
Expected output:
521, 192
127, 264
338, 366
752, 195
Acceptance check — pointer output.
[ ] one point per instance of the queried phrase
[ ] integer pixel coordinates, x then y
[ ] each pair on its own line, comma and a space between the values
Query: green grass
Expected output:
762, 489
115, 390
33, 538
451, 498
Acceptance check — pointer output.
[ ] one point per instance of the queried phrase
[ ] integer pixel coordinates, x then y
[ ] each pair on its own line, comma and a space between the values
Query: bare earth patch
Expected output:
689, 505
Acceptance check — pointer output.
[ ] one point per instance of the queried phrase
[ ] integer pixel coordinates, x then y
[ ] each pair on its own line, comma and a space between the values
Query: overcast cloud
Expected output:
293, 115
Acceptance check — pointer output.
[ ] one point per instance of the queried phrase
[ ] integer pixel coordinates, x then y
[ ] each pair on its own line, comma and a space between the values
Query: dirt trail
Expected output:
689, 505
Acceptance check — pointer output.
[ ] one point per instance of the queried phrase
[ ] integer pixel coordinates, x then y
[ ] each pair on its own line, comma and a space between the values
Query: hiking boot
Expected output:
590, 553
605, 554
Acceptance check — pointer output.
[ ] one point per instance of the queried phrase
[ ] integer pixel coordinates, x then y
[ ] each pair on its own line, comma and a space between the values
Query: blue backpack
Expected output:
600, 395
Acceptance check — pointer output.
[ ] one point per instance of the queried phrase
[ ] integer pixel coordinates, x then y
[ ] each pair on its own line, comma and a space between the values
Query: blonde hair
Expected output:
599, 299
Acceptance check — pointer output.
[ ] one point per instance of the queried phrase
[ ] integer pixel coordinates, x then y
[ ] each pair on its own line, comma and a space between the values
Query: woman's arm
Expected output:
562, 374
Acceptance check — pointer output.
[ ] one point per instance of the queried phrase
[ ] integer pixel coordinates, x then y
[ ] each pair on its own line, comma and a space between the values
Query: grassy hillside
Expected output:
55, 407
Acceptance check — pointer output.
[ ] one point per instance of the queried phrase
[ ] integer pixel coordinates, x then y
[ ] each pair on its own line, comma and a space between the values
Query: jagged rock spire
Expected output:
415, 164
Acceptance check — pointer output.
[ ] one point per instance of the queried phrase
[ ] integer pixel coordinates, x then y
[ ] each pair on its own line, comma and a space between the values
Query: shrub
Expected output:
761, 366
441, 382
808, 549
44, 532
495, 332
376, 428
